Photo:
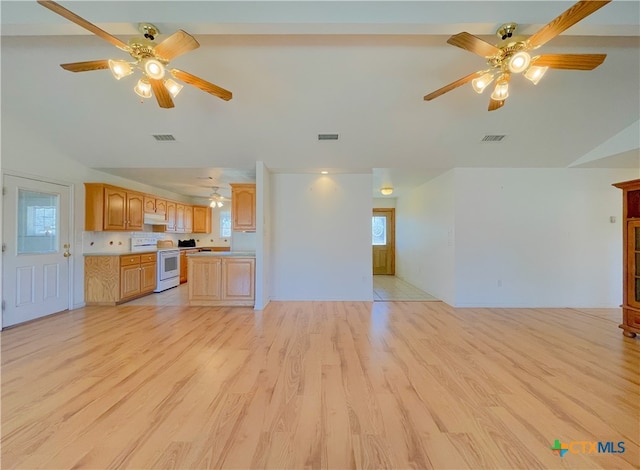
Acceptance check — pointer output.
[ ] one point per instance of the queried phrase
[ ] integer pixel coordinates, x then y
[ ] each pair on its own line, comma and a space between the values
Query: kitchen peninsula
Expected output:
221, 278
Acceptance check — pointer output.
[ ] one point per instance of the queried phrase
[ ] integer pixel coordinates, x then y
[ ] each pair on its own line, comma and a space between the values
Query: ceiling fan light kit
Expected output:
512, 54
148, 57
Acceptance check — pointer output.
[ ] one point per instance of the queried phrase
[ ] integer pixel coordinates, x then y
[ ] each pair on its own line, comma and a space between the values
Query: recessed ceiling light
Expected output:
324, 172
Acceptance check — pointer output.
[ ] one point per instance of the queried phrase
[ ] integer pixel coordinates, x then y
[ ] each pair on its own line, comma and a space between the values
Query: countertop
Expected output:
119, 253
218, 254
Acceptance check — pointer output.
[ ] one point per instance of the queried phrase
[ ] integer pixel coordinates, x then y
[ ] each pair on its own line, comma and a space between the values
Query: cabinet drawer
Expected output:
128, 260
148, 258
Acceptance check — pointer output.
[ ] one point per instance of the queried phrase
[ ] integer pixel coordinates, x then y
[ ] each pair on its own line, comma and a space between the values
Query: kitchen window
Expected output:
225, 224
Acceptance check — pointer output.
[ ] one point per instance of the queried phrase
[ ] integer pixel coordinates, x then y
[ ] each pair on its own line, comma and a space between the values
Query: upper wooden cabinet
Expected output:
112, 208
153, 205
243, 207
201, 219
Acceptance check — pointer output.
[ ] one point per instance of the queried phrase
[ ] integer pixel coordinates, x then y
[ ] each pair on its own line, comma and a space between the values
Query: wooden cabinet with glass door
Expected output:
631, 257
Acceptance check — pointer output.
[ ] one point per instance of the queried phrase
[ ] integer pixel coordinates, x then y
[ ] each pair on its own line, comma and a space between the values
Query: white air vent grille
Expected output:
328, 136
164, 137
493, 138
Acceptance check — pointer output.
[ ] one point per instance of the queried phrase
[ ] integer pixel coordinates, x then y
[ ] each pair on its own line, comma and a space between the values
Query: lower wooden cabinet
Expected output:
110, 280
184, 274
221, 281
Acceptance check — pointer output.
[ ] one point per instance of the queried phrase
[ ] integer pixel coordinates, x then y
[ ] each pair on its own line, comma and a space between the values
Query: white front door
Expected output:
35, 268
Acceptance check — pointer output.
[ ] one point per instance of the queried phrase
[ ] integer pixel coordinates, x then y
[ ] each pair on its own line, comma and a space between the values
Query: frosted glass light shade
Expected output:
153, 69
480, 83
501, 91
143, 88
519, 62
535, 73
173, 87
120, 68
386, 191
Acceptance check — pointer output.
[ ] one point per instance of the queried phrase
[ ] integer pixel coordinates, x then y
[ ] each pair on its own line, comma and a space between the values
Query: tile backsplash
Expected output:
118, 242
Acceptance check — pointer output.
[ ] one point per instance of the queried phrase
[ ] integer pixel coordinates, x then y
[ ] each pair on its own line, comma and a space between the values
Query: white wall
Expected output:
543, 234
263, 235
384, 202
321, 237
424, 237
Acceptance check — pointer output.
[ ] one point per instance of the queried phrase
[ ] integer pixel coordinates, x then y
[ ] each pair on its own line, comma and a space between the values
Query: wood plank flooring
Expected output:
319, 385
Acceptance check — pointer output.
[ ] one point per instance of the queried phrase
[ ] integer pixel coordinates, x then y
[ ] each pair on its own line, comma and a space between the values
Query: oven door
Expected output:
168, 264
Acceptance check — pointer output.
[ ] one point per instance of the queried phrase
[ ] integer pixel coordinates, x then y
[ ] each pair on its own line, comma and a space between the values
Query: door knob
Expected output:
66, 254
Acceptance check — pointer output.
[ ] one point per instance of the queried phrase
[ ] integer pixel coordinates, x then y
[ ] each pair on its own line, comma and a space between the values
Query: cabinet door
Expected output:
147, 277
183, 267
149, 204
161, 206
243, 207
188, 219
633, 263
201, 219
180, 218
135, 211
205, 274
115, 209
129, 281
171, 216
238, 278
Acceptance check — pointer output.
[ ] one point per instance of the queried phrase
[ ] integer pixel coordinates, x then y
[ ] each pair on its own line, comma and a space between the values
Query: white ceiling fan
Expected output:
217, 199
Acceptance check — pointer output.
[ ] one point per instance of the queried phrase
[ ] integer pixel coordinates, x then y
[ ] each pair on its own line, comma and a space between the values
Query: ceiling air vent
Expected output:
164, 138
493, 138
327, 136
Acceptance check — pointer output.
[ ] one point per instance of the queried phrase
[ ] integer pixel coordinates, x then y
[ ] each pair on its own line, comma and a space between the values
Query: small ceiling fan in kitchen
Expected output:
512, 55
217, 199
149, 58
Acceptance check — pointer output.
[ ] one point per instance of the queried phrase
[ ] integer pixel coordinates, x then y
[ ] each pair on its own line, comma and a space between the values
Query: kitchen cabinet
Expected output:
201, 219
112, 208
243, 207
179, 218
221, 280
110, 280
188, 219
631, 257
171, 216
184, 277
153, 205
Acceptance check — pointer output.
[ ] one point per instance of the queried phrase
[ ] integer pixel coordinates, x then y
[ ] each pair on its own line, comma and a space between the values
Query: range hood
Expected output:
154, 219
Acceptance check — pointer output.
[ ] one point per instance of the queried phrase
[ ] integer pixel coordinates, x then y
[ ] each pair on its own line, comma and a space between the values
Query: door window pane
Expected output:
37, 222
379, 230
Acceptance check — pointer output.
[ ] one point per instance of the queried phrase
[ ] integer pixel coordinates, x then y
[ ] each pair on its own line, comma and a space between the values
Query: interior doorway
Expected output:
383, 235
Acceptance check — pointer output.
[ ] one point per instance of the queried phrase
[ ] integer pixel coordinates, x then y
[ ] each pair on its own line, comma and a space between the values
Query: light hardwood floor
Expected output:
319, 385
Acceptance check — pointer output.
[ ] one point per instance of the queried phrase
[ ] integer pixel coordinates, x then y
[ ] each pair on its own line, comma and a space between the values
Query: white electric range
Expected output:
168, 261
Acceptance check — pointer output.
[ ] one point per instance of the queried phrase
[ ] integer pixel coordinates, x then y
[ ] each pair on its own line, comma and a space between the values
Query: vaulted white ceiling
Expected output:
299, 68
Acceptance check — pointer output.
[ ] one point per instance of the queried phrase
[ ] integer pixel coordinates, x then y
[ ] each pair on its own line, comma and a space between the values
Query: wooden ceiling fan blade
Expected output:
86, 66
71, 16
474, 44
175, 45
161, 93
567, 19
495, 104
202, 84
570, 61
452, 85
